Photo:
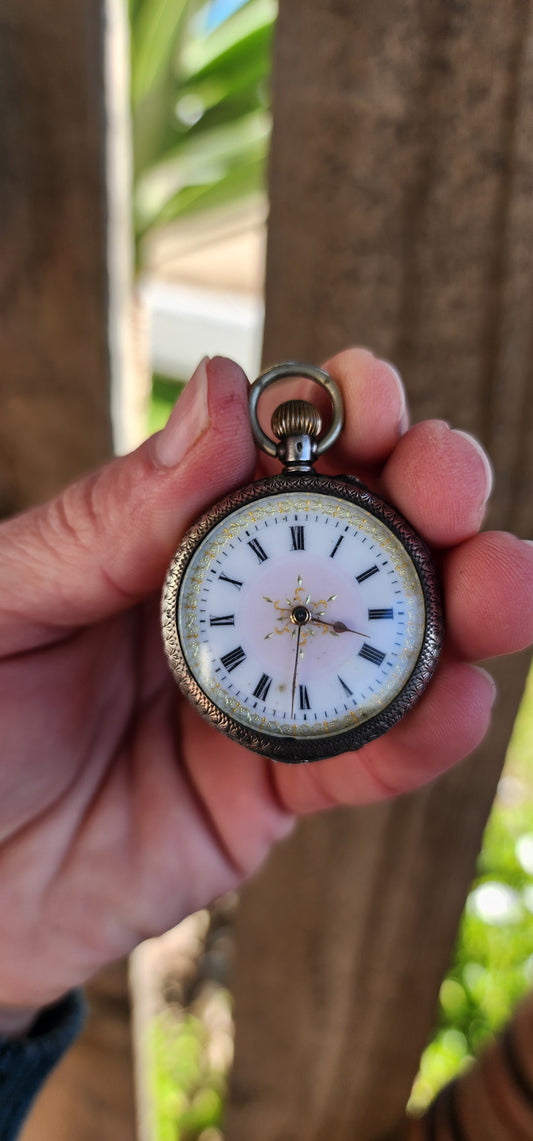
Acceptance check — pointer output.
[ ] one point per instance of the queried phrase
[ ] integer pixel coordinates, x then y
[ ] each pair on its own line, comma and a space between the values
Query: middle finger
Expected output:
375, 412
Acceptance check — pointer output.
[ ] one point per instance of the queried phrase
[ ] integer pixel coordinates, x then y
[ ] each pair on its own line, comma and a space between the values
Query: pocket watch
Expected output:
301, 615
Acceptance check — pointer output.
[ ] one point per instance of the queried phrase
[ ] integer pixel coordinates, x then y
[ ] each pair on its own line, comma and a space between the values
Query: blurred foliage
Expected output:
165, 392
200, 101
189, 1082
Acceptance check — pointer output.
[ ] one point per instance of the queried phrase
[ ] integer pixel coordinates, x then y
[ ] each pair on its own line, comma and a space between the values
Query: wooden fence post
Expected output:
401, 218
63, 302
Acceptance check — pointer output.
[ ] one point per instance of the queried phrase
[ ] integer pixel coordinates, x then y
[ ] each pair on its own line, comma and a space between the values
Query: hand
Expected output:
338, 627
120, 810
295, 671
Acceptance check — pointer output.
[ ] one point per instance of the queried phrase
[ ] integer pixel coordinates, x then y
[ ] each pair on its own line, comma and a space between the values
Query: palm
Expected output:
110, 804
124, 810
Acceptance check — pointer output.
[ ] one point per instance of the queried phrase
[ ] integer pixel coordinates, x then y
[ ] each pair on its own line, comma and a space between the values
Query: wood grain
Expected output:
54, 389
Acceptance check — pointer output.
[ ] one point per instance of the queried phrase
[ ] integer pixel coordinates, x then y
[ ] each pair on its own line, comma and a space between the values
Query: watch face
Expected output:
301, 617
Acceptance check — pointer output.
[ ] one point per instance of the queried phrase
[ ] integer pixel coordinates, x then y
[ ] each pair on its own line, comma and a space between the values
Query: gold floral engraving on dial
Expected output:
314, 615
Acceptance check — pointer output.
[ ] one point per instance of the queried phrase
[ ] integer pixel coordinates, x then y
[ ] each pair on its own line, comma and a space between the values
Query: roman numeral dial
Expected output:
304, 697
299, 616
235, 658
336, 547
297, 538
371, 654
256, 547
346, 688
369, 573
262, 687
234, 581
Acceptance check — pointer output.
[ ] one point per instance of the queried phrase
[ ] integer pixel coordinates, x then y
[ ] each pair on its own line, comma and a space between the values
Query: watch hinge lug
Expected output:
297, 453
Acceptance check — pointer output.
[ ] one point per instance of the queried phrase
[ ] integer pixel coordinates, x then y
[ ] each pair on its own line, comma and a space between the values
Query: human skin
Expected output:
121, 811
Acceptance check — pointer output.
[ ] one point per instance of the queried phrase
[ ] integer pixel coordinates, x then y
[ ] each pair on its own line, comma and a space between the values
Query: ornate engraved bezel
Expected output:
294, 750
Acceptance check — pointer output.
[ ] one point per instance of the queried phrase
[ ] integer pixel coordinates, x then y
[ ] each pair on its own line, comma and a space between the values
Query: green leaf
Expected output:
203, 54
200, 125
240, 182
249, 66
155, 35
198, 162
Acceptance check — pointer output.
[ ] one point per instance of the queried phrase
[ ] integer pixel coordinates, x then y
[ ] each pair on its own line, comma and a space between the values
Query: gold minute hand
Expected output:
295, 668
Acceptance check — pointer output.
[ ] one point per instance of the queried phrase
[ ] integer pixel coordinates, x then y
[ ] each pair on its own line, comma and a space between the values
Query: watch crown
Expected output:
296, 418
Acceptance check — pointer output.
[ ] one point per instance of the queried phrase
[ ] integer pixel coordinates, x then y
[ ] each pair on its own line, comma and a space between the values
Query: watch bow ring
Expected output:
301, 615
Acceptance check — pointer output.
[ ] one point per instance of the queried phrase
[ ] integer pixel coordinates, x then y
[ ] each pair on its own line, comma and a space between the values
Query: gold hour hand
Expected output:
339, 627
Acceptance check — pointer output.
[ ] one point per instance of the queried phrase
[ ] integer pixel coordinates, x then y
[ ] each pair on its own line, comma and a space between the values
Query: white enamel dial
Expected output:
301, 614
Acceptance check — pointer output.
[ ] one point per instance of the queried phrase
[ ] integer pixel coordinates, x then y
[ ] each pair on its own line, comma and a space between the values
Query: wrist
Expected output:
16, 1021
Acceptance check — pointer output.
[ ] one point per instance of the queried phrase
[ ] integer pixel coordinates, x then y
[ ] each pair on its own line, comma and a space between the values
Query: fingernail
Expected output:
403, 420
490, 679
483, 457
187, 421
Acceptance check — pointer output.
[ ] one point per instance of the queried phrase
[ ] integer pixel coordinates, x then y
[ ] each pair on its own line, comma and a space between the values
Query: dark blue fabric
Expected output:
26, 1062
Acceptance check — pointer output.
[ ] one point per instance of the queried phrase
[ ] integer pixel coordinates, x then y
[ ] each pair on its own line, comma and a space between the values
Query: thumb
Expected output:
105, 542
